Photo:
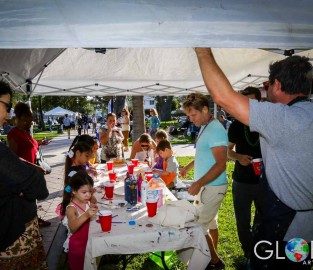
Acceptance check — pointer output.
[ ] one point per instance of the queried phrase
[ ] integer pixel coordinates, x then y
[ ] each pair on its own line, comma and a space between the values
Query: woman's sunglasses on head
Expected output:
8, 105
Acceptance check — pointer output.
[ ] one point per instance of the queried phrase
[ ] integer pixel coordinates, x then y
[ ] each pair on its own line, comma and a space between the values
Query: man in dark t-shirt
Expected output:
245, 185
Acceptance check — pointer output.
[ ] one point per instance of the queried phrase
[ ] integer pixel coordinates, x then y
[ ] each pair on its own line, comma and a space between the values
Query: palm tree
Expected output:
119, 104
164, 107
139, 125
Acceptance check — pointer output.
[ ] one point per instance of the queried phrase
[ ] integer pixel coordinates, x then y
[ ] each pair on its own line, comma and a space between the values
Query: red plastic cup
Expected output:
110, 165
149, 176
108, 189
257, 165
135, 161
105, 220
152, 207
112, 176
130, 167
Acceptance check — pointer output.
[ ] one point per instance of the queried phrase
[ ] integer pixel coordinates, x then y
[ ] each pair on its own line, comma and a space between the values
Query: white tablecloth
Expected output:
140, 238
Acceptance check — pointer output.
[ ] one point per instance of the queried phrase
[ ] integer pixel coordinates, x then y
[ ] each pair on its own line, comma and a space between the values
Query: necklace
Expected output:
298, 99
248, 139
200, 133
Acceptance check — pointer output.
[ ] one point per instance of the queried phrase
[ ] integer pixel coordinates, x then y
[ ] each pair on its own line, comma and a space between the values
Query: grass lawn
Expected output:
40, 135
229, 247
45, 134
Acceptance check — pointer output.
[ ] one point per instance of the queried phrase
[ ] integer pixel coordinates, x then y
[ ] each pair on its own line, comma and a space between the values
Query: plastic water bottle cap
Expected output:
132, 222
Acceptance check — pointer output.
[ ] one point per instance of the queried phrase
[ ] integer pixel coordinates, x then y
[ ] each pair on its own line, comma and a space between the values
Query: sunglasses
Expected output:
8, 105
144, 145
266, 85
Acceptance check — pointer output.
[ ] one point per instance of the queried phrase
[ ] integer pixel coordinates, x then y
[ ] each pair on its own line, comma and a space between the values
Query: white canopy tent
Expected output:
156, 24
144, 71
155, 40
59, 111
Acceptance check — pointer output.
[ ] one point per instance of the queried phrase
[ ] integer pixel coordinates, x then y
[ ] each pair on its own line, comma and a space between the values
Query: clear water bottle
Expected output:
144, 189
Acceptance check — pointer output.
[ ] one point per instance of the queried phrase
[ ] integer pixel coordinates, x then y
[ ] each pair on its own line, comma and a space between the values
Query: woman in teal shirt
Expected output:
154, 122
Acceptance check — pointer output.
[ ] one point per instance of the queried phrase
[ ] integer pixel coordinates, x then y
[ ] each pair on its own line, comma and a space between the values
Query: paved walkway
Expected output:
54, 153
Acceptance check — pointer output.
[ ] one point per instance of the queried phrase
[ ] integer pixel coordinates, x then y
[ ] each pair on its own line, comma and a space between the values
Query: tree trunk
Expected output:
138, 118
119, 104
41, 122
164, 107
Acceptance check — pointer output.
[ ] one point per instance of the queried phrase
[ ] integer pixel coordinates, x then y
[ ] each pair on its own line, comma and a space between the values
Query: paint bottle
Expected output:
139, 183
131, 190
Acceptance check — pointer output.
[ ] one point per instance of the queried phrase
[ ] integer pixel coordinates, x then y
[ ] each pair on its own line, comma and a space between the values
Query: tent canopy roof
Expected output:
154, 37
156, 23
145, 71
58, 111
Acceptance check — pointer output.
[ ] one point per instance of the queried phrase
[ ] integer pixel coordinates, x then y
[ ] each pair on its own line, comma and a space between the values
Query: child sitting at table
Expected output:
169, 173
77, 159
159, 136
95, 159
78, 210
143, 149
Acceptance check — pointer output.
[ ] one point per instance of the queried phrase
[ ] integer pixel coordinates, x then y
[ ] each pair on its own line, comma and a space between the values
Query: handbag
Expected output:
40, 161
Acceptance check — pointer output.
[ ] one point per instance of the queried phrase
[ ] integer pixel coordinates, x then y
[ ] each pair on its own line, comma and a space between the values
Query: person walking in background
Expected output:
154, 122
21, 244
78, 211
285, 125
244, 146
124, 121
67, 125
79, 124
210, 184
49, 122
94, 123
85, 123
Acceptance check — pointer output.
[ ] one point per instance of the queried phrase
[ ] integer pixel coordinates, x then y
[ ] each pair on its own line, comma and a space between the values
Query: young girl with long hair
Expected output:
95, 158
77, 159
78, 210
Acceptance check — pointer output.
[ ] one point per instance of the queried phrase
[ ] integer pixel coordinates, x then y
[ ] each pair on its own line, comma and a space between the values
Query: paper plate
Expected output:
119, 191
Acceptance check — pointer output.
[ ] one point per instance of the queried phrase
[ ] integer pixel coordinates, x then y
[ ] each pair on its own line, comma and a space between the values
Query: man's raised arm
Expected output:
219, 87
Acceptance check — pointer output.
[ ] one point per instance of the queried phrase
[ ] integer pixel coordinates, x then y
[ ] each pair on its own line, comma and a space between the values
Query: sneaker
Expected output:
220, 265
43, 223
